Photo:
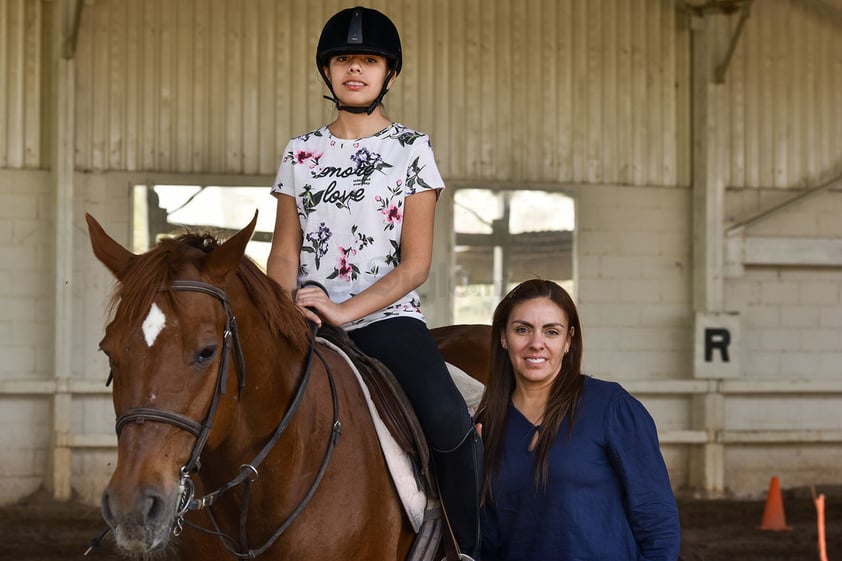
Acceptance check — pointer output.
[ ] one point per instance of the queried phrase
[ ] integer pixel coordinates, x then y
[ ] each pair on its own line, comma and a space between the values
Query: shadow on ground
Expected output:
41, 529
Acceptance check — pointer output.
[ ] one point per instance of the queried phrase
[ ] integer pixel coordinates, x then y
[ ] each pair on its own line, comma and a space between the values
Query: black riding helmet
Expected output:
359, 31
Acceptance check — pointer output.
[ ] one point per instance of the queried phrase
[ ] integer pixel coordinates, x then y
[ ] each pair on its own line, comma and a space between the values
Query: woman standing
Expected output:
573, 467
356, 205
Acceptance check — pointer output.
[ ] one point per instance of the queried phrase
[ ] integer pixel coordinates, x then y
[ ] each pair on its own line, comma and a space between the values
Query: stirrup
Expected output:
462, 557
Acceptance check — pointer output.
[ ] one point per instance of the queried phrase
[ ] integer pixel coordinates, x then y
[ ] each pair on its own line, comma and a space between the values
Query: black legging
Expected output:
407, 348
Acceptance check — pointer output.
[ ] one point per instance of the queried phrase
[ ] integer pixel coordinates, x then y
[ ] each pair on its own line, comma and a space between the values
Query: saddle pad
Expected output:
470, 389
414, 500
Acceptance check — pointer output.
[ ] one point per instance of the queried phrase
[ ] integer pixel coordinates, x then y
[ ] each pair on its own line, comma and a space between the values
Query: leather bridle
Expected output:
200, 430
248, 472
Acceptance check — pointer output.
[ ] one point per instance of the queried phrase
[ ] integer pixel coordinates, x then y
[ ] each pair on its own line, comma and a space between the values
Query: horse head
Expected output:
169, 348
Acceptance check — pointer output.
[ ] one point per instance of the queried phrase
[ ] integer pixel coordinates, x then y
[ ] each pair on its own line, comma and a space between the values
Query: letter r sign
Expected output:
717, 345
717, 338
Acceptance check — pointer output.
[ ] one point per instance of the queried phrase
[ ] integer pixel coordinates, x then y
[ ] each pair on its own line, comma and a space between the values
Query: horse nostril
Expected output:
155, 507
107, 515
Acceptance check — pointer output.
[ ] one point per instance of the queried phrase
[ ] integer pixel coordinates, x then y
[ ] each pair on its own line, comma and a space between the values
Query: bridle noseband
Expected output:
248, 472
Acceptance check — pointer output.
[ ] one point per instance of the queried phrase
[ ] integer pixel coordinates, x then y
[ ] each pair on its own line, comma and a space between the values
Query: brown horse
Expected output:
247, 464
466, 346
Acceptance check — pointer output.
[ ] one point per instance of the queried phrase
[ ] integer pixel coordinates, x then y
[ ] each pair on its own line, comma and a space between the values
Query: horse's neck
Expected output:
273, 365
271, 380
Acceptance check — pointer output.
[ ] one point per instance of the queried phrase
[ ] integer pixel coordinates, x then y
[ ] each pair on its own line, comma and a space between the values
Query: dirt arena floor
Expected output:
40, 529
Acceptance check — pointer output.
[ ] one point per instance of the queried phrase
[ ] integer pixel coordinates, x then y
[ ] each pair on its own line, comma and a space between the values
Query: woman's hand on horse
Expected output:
326, 309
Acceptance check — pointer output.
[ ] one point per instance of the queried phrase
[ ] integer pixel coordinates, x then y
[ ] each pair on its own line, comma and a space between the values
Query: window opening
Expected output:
504, 237
160, 210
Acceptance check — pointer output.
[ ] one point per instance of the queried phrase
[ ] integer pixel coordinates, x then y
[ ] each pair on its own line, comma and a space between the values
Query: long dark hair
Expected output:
564, 394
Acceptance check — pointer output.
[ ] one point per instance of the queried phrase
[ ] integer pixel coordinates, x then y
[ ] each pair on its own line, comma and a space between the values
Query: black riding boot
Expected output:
460, 472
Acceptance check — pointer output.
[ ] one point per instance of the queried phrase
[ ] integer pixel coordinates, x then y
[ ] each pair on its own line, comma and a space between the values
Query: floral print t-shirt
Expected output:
350, 197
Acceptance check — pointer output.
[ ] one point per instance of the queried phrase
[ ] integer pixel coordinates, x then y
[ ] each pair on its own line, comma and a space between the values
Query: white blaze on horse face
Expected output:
153, 324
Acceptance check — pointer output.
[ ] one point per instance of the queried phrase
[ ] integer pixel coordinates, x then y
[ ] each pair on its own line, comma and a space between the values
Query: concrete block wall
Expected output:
106, 197
633, 291
804, 465
26, 263
792, 322
792, 316
109, 204
791, 333
26, 329
633, 281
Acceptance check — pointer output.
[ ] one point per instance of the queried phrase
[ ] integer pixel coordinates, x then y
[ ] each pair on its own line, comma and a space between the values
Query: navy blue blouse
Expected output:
608, 497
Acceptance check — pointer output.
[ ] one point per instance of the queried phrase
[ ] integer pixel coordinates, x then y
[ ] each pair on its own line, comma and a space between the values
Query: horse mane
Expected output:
155, 269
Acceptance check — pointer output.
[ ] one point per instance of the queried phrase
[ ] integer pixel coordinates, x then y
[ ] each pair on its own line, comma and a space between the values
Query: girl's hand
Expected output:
310, 315
314, 297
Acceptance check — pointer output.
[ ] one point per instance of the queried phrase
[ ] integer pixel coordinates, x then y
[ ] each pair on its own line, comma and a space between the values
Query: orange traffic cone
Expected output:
773, 515
820, 523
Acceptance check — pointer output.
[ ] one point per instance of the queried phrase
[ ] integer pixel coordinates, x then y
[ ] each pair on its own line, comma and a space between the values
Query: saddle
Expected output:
391, 403
397, 414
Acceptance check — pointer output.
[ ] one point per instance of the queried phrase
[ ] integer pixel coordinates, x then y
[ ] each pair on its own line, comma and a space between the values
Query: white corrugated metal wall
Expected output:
567, 91
585, 96
21, 60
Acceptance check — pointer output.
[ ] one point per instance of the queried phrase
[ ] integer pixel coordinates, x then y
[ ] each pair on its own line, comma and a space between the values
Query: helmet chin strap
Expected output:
353, 109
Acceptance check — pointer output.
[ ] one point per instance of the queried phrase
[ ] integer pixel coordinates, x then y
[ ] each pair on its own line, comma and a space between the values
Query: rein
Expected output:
248, 472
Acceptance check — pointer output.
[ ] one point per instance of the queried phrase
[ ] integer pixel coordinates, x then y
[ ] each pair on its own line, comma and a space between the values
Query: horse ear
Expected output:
113, 255
226, 258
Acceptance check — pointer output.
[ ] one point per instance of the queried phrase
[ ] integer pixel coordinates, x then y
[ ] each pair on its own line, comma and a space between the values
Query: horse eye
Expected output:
205, 355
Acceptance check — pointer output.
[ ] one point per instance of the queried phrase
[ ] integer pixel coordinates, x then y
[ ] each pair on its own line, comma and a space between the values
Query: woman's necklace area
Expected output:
532, 412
